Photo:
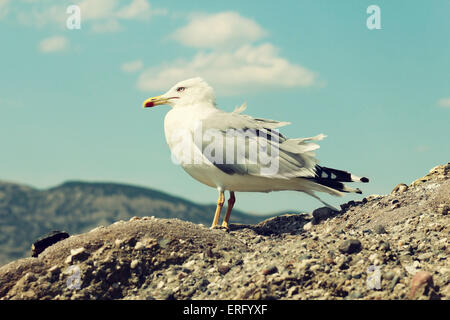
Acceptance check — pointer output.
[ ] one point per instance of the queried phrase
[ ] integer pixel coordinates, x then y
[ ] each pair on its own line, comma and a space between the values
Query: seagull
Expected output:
234, 152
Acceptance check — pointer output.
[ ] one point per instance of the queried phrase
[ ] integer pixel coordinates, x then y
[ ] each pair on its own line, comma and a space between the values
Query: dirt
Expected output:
394, 246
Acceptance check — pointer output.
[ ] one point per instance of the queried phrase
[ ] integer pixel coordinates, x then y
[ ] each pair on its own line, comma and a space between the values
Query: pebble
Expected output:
373, 257
379, 229
420, 279
384, 246
322, 214
164, 242
400, 188
307, 226
355, 295
223, 269
134, 263
139, 246
425, 256
389, 275
394, 282
77, 252
350, 246
270, 270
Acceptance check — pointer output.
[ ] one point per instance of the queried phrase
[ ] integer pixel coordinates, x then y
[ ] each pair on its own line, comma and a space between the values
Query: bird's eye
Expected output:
181, 89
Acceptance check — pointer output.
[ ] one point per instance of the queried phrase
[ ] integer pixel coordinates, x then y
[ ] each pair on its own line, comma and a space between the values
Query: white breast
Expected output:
181, 127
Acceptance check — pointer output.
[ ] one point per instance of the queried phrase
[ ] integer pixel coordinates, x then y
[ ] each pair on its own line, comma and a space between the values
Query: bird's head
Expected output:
183, 94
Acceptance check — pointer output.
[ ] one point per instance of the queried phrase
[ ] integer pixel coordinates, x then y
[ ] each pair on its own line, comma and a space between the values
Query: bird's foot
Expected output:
222, 227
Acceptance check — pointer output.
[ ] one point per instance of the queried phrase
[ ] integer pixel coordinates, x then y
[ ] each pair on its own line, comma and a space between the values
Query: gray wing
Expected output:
240, 144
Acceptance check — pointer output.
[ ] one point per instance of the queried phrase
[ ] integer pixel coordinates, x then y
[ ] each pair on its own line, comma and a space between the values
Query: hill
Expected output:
27, 213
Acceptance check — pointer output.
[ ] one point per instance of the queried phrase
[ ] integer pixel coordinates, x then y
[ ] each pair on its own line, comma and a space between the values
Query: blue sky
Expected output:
70, 100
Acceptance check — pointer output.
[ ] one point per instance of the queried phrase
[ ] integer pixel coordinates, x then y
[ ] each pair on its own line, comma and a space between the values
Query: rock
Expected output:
438, 173
46, 241
270, 270
384, 246
400, 188
412, 268
119, 242
223, 269
425, 256
134, 264
79, 254
164, 242
355, 295
348, 205
322, 214
379, 229
350, 246
393, 282
443, 209
307, 226
395, 206
373, 257
373, 197
139, 246
389, 275
421, 286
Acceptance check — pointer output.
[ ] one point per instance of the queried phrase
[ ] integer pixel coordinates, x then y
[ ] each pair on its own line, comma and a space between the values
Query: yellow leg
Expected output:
220, 203
231, 202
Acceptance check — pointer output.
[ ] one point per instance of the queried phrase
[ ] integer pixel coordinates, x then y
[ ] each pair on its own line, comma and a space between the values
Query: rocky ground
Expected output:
385, 247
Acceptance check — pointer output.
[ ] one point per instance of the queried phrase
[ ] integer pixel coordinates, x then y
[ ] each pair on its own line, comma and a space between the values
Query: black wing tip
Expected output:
364, 179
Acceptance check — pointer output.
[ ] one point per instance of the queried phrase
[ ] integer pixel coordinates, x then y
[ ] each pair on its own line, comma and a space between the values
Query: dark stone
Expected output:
384, 246
323, 213
348, 205
223, 269
270, 270
379, 229
46, 241
350, 246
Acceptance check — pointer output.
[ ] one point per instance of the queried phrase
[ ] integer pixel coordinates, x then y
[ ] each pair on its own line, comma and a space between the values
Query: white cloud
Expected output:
4, 8
106, 14
230, 58
139, 10
100, 15
444, 103
422, 149
53, 44
39, 15
97, 9
249, 67
219, 30
132, 66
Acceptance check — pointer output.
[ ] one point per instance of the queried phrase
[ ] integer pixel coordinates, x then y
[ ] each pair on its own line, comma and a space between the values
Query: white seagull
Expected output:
238, 153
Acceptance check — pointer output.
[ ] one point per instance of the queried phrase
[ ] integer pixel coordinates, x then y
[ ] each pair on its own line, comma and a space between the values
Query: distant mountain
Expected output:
75, 207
